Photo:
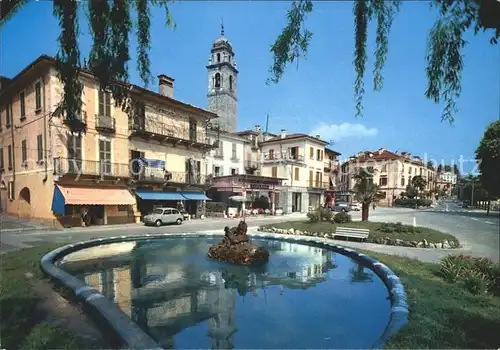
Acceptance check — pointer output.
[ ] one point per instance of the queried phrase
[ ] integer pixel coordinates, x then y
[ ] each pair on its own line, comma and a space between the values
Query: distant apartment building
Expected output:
122, 166
445, 182
299, 159
392, 171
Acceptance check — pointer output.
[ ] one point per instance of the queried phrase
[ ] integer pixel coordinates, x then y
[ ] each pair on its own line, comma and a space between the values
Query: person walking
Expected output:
373, 205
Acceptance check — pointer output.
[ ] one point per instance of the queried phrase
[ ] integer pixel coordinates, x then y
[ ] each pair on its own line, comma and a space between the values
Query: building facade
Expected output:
299, 159
228, 157
115, 172
392, 171
222, 84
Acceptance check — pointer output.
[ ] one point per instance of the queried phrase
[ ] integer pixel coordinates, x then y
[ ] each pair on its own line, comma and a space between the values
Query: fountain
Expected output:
236, 248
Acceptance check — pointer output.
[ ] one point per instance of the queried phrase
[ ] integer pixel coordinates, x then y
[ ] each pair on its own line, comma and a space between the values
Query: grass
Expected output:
376, 234
21, 324
442, 315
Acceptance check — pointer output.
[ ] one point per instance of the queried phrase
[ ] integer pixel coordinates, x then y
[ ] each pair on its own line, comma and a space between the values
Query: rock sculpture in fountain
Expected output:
236, 248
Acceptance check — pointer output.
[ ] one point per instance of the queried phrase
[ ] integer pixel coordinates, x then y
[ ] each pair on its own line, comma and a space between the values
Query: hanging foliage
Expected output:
445, 45
68, 66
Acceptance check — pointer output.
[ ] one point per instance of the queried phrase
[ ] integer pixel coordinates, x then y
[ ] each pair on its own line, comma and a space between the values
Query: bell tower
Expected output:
222, 83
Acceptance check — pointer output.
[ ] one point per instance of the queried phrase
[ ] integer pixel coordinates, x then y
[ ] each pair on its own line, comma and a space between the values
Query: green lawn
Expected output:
442, 315
21, 325
376, 234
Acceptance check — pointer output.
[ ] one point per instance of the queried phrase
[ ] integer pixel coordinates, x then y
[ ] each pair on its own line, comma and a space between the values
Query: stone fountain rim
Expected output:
132, 336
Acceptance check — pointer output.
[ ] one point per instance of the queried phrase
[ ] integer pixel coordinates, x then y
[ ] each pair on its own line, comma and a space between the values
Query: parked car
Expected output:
160, 216
344, 207
355, 206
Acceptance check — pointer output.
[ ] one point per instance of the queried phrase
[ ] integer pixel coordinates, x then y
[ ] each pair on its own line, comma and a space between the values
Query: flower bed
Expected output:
380, 233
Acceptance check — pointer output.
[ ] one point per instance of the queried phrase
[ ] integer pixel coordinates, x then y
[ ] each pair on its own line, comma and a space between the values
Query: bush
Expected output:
325, 214
342, 218
478, 275
390, 227
314, 216
216, 207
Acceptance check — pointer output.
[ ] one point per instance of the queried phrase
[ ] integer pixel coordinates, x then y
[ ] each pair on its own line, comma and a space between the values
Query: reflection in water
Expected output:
170, 287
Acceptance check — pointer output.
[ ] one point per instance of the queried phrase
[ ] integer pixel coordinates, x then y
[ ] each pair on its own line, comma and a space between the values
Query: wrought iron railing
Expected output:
105, 122
72, 166
283, 156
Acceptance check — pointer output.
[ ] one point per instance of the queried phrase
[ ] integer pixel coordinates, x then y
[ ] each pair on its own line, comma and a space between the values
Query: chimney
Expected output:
283, 133
317, 136
166, 85
257, 128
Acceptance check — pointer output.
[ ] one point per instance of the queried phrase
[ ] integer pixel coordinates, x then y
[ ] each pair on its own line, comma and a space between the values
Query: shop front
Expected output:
255, 190
89, 205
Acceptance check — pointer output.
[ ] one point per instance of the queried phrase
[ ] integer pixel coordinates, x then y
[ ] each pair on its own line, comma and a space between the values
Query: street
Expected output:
478, 233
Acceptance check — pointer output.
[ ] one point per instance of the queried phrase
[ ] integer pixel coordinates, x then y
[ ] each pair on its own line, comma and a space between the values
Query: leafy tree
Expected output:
440, 168
411, 192
430, 164
418, 182
366, 191
447, 168
488, 156
444, 48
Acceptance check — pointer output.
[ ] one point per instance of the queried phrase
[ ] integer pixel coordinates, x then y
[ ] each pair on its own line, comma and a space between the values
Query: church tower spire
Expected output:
222, 83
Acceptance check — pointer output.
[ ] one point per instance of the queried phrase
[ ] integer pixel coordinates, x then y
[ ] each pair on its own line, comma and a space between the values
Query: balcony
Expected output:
78, 167
218, 155
317, 184
82, 118
174, 133
283, 157
331, 165
105, 123
155, 175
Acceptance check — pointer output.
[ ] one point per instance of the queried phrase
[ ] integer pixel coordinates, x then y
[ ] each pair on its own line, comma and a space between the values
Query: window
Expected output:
192, 130
311, 153
167, 212
218, 150
319, 179
234, 171
9, 156
218, 58
22, 105
39, 143
420, 171
10, 190
230, 83
74, 147
104, 103
383, 181
296, 173
233, 152
1, 159
24, 152
384, 168
38, 97
8, 114
409, 170
217, 80
274, 171
294, 152
402, 181
105, 156
311, 178
318, 154
217, 171
271, 154
123, 208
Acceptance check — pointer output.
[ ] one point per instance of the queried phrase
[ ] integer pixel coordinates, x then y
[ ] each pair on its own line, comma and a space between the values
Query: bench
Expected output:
350, 232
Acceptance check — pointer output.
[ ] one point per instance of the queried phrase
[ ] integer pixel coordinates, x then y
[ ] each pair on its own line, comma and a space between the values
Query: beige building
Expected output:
301, 161
393, 171
53, 176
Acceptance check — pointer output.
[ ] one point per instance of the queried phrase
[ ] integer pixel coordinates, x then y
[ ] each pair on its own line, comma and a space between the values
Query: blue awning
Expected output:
195, 196
159, 195
58, 207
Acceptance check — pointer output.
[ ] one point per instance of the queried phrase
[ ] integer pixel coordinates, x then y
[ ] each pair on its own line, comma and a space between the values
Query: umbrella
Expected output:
238, 198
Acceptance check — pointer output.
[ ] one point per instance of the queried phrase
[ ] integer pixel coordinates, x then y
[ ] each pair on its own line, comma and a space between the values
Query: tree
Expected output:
440, 168
444, 48
430, 164
110, 26
411, 191
366, 191
488, 156
447, 168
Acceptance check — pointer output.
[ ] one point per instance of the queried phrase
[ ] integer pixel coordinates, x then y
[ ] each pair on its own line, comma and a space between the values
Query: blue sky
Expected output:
316, 96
